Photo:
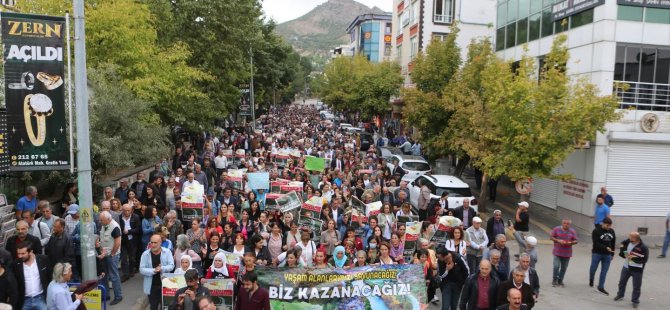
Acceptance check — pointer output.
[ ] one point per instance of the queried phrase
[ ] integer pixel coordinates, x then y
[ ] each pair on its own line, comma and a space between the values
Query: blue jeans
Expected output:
605, 260
451, 293
112, 264
666, 242
637, 283
35, 303
560, 266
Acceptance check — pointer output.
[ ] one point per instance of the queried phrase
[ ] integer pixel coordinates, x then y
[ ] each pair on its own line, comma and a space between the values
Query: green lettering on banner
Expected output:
369, 287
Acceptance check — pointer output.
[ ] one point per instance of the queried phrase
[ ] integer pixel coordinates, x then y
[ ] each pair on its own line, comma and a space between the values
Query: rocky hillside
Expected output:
323, 28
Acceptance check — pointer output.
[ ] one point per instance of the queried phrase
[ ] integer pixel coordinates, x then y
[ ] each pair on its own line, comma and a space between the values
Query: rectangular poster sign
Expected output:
171, 284
369, 287
565, 8
192, 202
661, 4
245, 100
221, 291
37, 135
258, 180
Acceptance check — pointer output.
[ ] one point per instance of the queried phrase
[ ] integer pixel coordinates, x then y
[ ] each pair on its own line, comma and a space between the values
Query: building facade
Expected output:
417, 22
610, 42
370, 35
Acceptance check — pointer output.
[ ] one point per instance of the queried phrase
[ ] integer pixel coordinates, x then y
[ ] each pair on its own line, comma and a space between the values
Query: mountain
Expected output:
323, 28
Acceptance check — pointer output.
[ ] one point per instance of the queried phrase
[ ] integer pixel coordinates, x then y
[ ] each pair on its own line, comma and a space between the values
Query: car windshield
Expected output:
415, 166
454, 192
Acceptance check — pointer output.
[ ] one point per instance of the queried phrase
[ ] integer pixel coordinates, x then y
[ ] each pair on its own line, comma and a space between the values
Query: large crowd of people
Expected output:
140, 227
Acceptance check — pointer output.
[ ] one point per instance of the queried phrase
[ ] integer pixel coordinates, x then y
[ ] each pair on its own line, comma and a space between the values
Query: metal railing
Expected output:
446, 19
643, 96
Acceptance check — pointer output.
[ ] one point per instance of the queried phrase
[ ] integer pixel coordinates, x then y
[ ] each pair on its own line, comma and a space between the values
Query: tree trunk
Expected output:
483, 194
460, 167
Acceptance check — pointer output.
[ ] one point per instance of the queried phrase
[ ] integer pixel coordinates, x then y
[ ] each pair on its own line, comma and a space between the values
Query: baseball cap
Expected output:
476, 219
73, 209
531, 240
524, 204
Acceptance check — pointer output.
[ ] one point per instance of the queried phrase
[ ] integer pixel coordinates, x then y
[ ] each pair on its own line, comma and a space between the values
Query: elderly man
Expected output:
60, 248
47, 216
200, 176
155, 262
424, 200
402, 188
636, 254
480, 290
110, 242
108, 194
173, 225
495, 226
476, 241
37, 228
503, 265
140, 186
465, 213
513, 301
190, 181
131, 232
122, 191
22, 228
517, 282
27, 202
607, 198
564, 238
530, 274
494, 255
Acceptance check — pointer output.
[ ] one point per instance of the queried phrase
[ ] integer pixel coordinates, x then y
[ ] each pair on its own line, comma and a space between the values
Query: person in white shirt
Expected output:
476, 241
220, 162
33, 275
191, 181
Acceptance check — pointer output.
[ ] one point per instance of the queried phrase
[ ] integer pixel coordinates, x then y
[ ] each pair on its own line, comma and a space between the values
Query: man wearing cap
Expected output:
465, 213
476, 241
122, 191
604, 243
521, 227
71, 219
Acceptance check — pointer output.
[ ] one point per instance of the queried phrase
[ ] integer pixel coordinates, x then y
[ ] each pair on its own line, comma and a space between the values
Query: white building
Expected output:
417, 22
342, 50
608, 41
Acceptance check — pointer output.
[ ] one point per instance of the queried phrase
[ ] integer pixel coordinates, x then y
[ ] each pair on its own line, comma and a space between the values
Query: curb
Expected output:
543, 227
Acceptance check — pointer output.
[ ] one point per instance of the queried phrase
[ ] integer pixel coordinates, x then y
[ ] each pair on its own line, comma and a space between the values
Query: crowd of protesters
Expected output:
140, 229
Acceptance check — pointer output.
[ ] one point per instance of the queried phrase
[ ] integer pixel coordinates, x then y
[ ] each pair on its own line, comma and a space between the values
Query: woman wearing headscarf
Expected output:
339, 259
59, 296
218, 269
185, 263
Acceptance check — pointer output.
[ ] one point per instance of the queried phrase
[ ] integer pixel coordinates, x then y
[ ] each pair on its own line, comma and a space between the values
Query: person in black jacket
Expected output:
636, 254
465, 213
60, 248
186, 296
604, 243
453, 271
513, 301
9, 293
26, 260
517, 281
471, 293
130, 235
23, 235
531, 279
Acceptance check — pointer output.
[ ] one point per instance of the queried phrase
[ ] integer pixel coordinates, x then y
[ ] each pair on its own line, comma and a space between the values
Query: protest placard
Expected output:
171, 283
315, 163
221, 291
445, 225
192, 201
412, 231
258, 180
236, 178
373, 208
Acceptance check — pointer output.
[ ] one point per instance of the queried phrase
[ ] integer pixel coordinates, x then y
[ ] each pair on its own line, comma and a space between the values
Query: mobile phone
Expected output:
509, 222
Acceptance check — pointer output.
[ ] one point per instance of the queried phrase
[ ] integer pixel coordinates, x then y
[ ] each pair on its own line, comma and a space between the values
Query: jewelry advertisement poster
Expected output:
34, 91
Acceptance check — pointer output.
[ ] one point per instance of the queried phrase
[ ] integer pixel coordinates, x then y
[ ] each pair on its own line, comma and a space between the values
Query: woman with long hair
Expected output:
246, 226
330, 237
212, 249
308, 247
152, 199
224, 216
150, 225
386, 220
115, 208
196, 236
261, 253
212, 227
275, 243
254, 211
238, 248
397, 248
182, 248
457, 243
320, 259
228, 237
384, 254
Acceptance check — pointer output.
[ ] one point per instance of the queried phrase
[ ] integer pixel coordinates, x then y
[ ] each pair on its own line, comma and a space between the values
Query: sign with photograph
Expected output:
192, 202
37, 135
565, 8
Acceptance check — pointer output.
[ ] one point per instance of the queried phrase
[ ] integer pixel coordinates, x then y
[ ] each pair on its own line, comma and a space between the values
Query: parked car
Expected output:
414, 166
387, 151
457, 189
353, 129
345, 125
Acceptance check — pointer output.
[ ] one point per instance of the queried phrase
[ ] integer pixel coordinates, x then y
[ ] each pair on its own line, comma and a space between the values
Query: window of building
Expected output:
535, 6
562, 25
632, 68
522, 31
398, 53
547, 23
405, 18
502, 14
415, 12
439, 36
534, 27
500, 39
510, 40
388, 28
619, 63
647, 65
387, 50
654, 15
512, 7
662, 66
444, 11
632, 13
524, 6
581, 19
414, 47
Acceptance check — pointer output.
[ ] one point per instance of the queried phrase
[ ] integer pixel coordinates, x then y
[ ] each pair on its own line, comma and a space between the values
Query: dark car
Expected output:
366, 141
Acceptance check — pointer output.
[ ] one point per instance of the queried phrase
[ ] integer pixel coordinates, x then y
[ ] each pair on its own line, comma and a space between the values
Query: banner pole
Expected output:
84, 170
69, 90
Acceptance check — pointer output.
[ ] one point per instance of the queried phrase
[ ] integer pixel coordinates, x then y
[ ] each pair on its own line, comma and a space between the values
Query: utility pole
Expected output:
251, 89
83, 147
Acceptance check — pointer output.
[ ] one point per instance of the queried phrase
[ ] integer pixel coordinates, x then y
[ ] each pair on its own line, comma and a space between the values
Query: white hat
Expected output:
531, 240
524, 204
476, 219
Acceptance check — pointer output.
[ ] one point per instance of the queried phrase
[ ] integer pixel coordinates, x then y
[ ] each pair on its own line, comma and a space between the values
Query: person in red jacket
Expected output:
251, 295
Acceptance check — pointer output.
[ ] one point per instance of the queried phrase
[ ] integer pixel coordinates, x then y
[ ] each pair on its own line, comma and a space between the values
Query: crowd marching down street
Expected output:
299, 192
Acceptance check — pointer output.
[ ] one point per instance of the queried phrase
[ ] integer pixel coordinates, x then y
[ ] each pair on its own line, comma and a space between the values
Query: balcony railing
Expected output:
445, 19
644, 96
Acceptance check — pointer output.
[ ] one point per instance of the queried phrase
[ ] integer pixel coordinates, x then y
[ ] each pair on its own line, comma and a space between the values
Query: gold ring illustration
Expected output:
38, 106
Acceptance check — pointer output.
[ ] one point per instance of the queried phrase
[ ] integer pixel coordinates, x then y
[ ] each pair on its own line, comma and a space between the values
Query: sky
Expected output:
285, 10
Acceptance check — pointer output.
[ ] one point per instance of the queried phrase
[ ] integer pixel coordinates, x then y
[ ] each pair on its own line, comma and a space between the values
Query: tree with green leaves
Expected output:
513, 125
430, 74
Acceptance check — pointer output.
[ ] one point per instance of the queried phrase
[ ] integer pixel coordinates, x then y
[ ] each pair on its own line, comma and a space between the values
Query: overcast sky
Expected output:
285, 10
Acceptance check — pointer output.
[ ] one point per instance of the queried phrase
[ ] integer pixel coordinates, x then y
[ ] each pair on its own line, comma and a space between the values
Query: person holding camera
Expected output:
187, 296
